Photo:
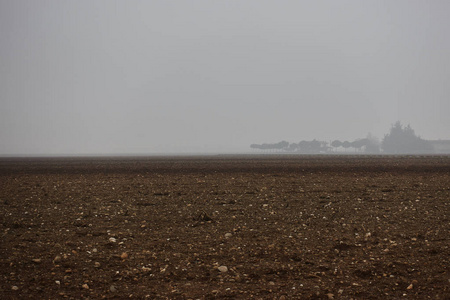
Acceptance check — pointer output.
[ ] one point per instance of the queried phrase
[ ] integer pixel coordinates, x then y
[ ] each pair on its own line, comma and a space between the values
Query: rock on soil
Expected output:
223, 269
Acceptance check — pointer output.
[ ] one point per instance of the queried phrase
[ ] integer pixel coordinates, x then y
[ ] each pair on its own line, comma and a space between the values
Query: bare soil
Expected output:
285, 227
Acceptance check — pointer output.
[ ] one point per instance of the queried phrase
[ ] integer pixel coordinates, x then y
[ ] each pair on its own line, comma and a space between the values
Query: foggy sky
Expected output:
92, 77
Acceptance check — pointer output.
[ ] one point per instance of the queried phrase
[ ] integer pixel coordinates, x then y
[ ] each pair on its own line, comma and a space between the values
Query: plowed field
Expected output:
237, 227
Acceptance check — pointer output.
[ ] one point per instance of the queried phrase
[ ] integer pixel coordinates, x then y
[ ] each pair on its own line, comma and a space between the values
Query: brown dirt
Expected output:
285, 227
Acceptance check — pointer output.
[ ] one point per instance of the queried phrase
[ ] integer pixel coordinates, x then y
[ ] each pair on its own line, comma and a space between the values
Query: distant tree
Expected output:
358, 143
266, 146
274, 146
292, 147
336, 143
346, 144
303, 146
283, 145
403, 140
313, 146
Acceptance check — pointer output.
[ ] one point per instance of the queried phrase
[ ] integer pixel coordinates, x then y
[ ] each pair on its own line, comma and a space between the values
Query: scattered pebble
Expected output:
112, 289
223, 269
57, 282
85, 286
410, 287
14, 287
112, 240
228, 235
37, 260
57, 259
124, 255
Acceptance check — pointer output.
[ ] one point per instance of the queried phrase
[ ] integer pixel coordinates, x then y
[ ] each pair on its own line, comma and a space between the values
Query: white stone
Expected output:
223, 269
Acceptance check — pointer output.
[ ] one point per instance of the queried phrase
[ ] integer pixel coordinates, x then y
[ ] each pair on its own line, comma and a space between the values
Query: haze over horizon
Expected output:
113, 77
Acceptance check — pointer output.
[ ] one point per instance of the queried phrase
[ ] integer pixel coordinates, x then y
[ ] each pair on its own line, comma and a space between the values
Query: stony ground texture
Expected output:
268, 227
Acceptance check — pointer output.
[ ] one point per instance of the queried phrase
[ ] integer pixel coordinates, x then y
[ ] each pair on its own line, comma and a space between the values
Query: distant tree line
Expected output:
315, 146
400, 140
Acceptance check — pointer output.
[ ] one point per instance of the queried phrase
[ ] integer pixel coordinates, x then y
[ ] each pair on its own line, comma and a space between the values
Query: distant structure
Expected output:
440, 146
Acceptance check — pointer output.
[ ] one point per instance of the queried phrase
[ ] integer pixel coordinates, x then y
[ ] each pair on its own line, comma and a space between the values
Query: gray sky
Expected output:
86, 77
